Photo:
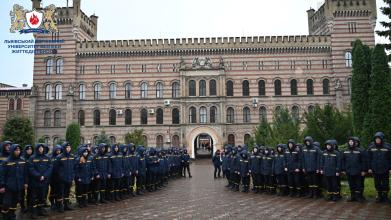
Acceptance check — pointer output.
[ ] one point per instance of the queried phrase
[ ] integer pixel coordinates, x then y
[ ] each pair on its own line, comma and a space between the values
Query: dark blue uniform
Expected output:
267, 171
102, 171
255, 169
226, 158
330, 166
279, 170
53, 182
353, 164
84, 174
40, 169
13, 178
234, 170
64, 167
152, 167
245, 170
311, 158
117, 172
28, 151
134, 170
293, 165
186, 163
142, 170
217, 162
379, 162
126, 167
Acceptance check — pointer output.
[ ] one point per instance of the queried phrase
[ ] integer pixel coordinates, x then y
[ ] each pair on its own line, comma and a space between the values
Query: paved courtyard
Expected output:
202, 197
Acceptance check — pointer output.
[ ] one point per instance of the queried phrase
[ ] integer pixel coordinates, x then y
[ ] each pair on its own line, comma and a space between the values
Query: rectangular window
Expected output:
352, 26
159, 68
244, 65
260, 65
277, 65
97, 69
144, 68
174, 69
229, 65
82, 92
325, 64
309, 64
128, 68
81, 69
293, 64
112, 69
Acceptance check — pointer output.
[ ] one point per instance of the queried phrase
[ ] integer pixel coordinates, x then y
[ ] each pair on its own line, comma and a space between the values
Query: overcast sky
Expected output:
144, 19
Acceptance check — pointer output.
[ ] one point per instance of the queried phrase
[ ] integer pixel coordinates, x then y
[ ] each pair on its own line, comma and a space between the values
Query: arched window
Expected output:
192, 88
128, 91
293, 87
348, 59
159, 141
97, 91
57, 118
49, 66
18, 104
112, 117
96, 117
175, 141
159, 90
230, 88
11, 104
295, 113
277, 109
262, 114
231, 139
112, 140
145, 140
144, 90
128, 117
349, 85
212, 87
310, 87
112, 91
48, 92
55, 141
277, 87
203, 113
246, 138
192, 115
159, 116
47, 119
326, 87
175, 90
59, 66
81, 118
175, 116
58, 92
202, 88
311, 109
261, 88
213, 114
246, 115
144, 116
82, 91
230, 115
245, 88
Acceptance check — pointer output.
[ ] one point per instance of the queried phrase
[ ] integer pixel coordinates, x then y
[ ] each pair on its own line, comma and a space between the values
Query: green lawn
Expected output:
369, 192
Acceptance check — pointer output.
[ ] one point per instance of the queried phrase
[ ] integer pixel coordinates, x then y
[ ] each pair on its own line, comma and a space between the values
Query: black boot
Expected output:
379, 198
34, 213
60, 207
385, 197
42, 212
67, 206
352, 197
310, 193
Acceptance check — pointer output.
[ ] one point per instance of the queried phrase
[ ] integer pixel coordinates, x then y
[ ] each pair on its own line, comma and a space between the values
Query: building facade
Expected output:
178, 90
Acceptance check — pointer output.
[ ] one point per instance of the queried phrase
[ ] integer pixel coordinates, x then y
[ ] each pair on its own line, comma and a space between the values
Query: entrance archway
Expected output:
203, 146
203, 132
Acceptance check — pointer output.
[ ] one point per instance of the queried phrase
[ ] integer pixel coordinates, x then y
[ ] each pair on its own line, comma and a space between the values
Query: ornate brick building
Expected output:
193, 91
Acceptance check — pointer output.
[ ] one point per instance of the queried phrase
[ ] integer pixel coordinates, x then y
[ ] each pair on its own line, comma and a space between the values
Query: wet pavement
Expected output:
202, 197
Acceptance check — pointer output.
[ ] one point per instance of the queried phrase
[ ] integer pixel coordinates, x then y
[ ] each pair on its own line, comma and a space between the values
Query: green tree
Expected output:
73, 135
262, 133
19, 130
103, 138
387, 25
378, 117
360, 84
135, 137
283, 128
328, 123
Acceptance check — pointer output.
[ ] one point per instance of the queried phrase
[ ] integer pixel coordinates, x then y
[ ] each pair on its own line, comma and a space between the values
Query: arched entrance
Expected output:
203, 146
203, 134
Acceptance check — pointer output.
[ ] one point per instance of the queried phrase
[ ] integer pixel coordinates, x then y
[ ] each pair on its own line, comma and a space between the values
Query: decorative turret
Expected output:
36, 4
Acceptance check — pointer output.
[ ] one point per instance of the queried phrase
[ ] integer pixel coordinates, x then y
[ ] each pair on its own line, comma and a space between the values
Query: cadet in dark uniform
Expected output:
64, 167
134, 169
379, 162
26, 198
142, 166
278, 170
116, 172
330, 167
234, 170
311, 158
353, 164
84, 174
186, 163
13, 180
267, 171
255, 169
245, 170
102, 172
357, 144
126, 167
53, 182
217, 161
226, 157
292, 167
40, 169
